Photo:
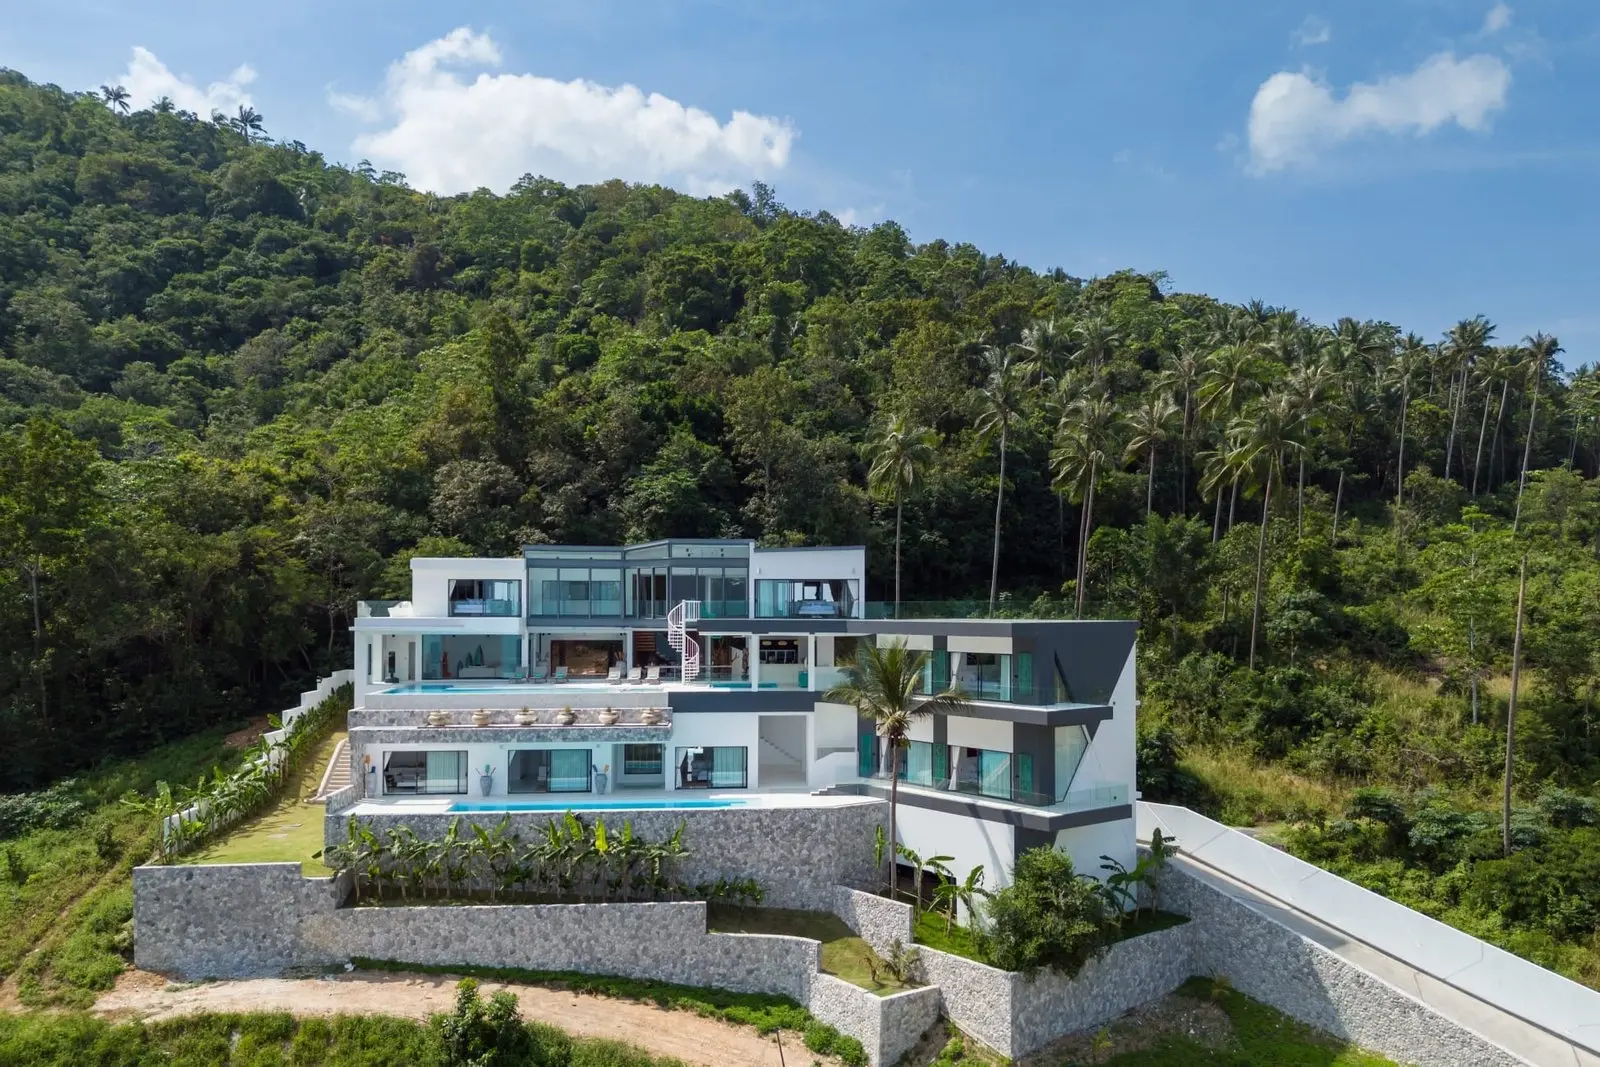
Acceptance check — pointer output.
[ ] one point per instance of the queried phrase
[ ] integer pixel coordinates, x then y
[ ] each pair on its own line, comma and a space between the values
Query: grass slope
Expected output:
844, 955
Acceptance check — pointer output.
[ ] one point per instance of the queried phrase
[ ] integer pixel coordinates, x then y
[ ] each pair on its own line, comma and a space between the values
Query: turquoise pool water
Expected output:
468, 688
619, 804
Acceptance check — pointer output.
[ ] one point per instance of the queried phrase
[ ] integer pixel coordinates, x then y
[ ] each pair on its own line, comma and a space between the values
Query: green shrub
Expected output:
478, 1034
55, 808
824, 1040
1047, 917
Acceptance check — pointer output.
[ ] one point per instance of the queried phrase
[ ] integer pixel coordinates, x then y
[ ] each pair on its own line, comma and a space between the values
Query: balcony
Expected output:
480, 608
1069, 802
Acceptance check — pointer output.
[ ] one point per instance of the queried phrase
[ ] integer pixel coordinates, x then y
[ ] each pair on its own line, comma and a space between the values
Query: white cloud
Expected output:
1498, 18
147, 80
1313, 30
1294, 116
359, 107
448, 134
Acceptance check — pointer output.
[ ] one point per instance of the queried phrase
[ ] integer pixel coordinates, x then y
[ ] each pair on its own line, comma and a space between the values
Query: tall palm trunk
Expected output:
1494, 446
1338, 498
1400, 468
1511, 709
1483, 426
1455, 413
1216, 519
894, 842
999, 499
1527, 450
1183, 468
1261, 556
897, 514
1088, 527
1300, 504
1233, 502
1150, 484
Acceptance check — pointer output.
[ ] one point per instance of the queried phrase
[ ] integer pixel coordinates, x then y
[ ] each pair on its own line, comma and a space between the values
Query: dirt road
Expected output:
692, 1039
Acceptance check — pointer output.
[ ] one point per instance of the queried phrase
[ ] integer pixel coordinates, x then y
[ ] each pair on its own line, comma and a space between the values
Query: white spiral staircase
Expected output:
679, 621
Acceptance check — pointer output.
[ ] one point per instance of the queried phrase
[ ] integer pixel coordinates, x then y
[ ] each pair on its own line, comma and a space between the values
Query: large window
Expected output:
593, 591
979, 771
556, 770
485, 596
425, 772
469, 656
641, 759
811, 598
722, 767
987, 675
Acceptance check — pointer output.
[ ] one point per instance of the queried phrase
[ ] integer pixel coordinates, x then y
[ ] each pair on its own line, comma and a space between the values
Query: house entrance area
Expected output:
468, 656
728, 659
707, 767
583, 657
782, 748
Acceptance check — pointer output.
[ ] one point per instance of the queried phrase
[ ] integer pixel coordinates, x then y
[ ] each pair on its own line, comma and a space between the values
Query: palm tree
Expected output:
882, 686
1310, 385
1402, 373
115, 97
1267, 430
1229, 380
1542, 351
1149, 425
1181, 376
1495, 364
999, 402
1511, 707
899, 453
248, 122
164, 106
1467, 341
1044, 345
1084, 447
1097, 341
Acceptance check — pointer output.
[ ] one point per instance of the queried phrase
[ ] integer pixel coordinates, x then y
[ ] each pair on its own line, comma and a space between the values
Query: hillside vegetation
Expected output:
240, 387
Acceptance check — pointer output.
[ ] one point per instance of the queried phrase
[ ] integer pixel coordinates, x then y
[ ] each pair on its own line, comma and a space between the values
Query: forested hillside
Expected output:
240, 386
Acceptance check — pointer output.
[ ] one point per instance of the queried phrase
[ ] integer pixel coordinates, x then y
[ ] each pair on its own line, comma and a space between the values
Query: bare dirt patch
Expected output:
249, 734
692, 1039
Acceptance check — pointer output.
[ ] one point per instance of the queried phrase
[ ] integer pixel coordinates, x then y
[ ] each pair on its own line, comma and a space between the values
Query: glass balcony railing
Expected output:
376, 608
1072, 800
485, 608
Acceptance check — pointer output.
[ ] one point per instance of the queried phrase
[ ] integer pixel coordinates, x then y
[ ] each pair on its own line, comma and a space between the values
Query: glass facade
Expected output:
555, 770
485, 596
471, 656
425, 772
811, 598
721, 767
978, 771
634, 591
642, 759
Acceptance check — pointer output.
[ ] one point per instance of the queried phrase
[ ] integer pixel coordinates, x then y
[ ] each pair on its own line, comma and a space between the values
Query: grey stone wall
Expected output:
340, 799
224, 920
797, 854
1277, 966
879, 921
977, 998
887, 1027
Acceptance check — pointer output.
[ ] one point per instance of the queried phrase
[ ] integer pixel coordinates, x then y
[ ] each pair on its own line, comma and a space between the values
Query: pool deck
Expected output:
620, 801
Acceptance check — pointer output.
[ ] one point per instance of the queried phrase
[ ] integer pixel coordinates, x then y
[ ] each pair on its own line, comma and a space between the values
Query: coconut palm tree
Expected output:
248, 122
1097, 341
999, 404
1267, 430
1511, 707
899, 454
1402, 373
1084, 447
1466, 342
1311, 385
1542, 351
1180, 377
1230, 378
1148, 426
1494, 365
882, 686
115, 97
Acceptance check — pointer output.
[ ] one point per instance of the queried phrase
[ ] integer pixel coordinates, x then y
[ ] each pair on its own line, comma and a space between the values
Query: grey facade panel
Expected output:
741, 700
1046, 822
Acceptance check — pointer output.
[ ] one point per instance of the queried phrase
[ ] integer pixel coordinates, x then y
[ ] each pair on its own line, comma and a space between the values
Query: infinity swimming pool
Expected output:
619, 804
413, 688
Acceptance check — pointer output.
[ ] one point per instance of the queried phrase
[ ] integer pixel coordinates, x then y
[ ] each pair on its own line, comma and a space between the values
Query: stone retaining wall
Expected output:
799, 854
254, 920
879, 921
1275, 965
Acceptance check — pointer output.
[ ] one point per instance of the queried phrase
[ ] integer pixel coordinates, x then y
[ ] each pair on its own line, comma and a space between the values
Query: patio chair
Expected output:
614, 675
652, 676
561, 674
636, 675
539, 674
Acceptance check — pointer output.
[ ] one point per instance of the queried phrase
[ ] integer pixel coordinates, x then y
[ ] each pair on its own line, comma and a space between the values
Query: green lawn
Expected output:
844, 955
290, 830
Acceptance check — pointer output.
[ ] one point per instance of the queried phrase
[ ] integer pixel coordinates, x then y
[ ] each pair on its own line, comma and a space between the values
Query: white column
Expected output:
753, 646
811, 662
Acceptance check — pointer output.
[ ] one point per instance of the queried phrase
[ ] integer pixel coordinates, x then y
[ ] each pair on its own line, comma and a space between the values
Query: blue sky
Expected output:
1413, 160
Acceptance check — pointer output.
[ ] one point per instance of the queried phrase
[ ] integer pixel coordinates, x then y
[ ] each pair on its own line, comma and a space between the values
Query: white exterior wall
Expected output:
715, 729
1109, 759
799, 563
970, 841
430, 581
1086, 844
993, 734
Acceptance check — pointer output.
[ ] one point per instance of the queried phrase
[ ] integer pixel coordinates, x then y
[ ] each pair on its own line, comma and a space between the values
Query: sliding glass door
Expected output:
559, 770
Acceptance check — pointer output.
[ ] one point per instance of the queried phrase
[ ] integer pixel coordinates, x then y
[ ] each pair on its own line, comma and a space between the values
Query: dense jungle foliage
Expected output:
240, 387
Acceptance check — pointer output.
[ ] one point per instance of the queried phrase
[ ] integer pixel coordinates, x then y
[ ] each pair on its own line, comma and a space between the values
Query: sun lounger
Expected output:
652, 676
636, 675
561, 674
614, 675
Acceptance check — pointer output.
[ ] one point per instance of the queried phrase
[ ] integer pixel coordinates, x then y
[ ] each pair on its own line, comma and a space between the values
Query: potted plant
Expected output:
565, 717
480, 717
601, 775
650, 716
526, 717
608, 717
486, 779
438, 717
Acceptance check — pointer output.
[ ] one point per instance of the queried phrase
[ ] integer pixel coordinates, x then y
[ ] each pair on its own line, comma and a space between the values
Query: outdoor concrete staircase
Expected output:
679, 621
777, 754
337, 776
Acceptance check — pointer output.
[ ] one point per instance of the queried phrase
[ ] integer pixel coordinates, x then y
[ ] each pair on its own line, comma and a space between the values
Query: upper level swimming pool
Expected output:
468, 688
617, 804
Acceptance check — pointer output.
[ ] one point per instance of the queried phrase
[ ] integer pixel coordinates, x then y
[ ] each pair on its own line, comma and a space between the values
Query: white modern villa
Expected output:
691, 673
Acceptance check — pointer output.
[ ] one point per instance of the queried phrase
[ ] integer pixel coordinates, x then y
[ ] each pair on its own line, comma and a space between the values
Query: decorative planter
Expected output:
565, 717
480, 717
600, 780
485, 784
526, 717
438, 718
608, 717
650, 716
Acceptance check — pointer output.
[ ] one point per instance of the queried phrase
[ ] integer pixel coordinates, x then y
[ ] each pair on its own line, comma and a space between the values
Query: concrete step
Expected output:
337, 774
